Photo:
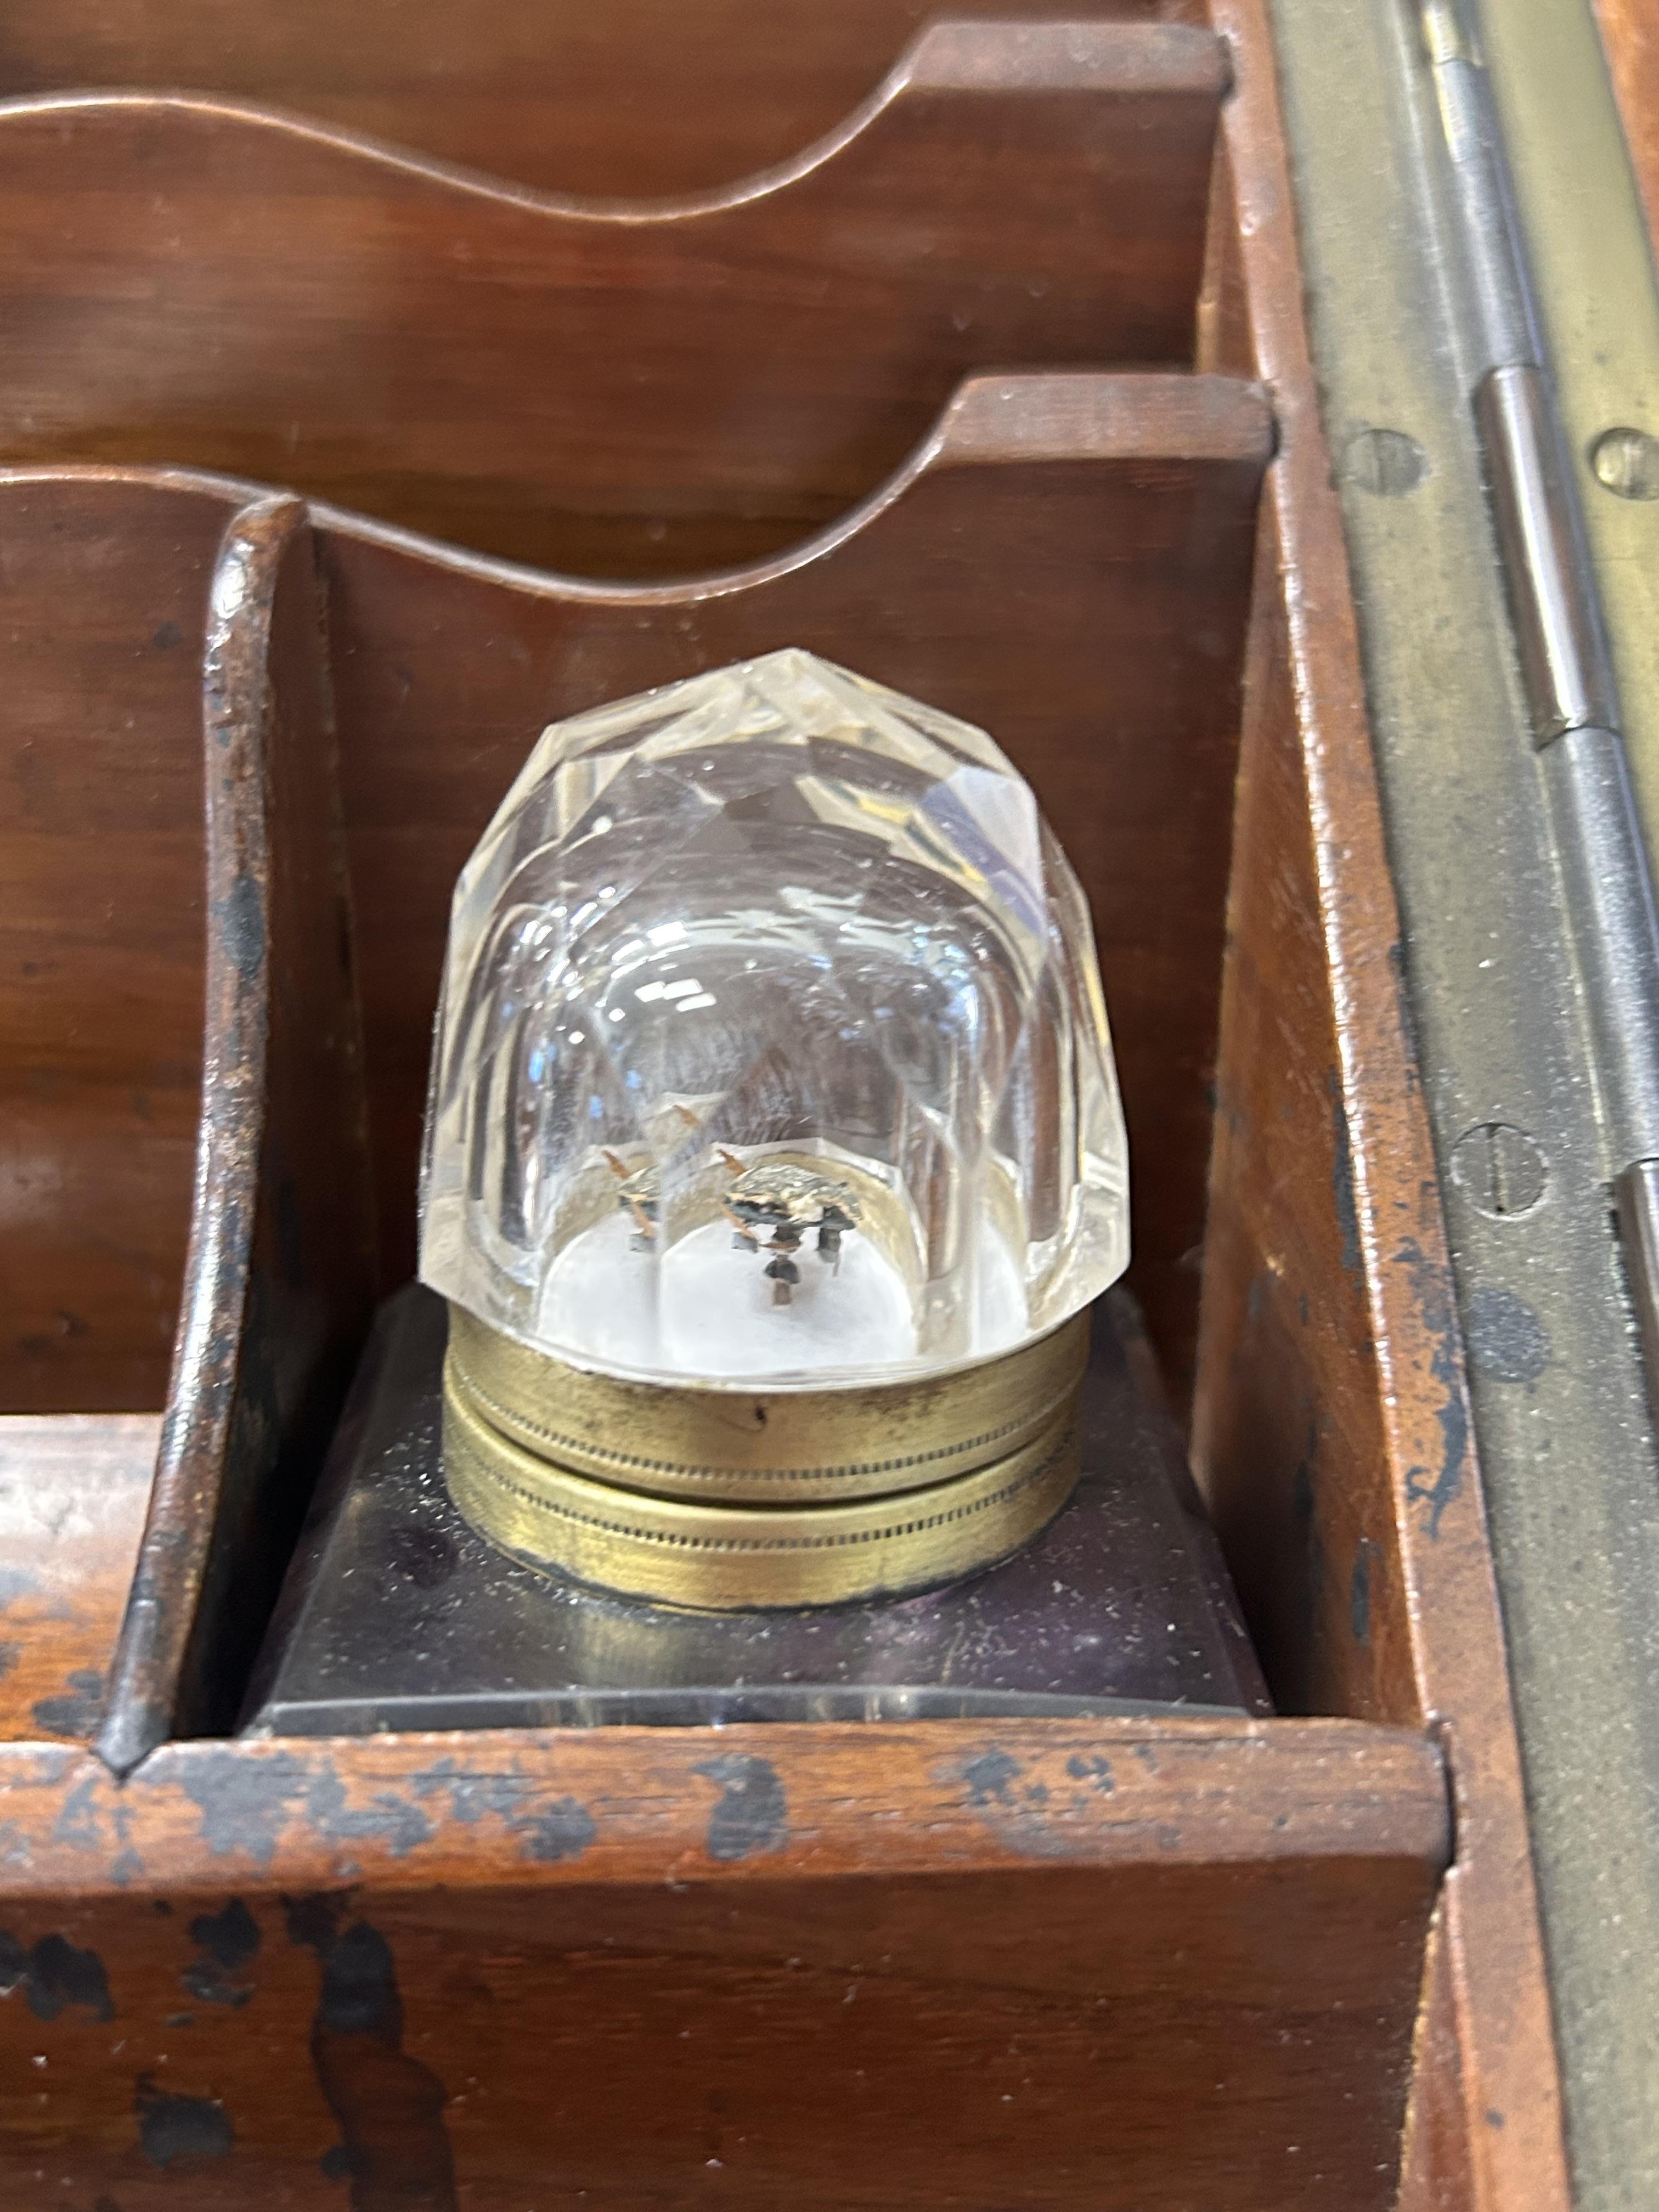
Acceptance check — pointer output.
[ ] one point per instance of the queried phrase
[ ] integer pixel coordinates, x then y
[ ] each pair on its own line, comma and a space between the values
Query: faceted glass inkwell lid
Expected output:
771, 1047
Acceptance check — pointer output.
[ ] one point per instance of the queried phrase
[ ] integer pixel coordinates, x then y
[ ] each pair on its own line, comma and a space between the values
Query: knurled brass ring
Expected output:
764, 1447
724, 1557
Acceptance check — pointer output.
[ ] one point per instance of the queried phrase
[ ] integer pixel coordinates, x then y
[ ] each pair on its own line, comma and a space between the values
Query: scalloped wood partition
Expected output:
1122, 1965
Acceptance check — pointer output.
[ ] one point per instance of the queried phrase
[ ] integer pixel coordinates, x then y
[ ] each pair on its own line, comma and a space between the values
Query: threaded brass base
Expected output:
732, 1499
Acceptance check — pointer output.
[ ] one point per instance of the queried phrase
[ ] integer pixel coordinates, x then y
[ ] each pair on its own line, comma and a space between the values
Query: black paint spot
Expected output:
1360, 1592
990, 1777
167, 636
227, 1940
750, 1815
242, 924
1342, 1192
245, 1804
425, 1557
1508, 1343
172, 2128
394, 2148
52, 1974
1432, 1291
16, 1583
562, 1829
78, 1712
80, 1822
1095, 1771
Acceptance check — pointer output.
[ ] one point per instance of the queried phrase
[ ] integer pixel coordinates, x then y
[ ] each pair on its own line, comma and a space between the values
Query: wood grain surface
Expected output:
1111, 1964
1332, 1427
608, 391
1066, 564
73, 1489
642, 97
1629, 33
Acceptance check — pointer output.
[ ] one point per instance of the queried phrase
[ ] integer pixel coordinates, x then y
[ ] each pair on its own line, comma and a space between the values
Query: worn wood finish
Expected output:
644, 97
606, 391
1629, 33
74, 1489
1332, 1424
1067, 563
1251, 1904
279, 1278
1190, 1976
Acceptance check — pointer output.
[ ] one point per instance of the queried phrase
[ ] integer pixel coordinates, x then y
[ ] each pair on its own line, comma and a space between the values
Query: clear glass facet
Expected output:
771, 1045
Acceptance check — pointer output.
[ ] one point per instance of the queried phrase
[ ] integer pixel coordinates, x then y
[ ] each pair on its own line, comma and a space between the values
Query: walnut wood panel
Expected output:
1332, 1422
637, 97
101, 939
599, 390
1129, 1964
74, 1489
1067, 563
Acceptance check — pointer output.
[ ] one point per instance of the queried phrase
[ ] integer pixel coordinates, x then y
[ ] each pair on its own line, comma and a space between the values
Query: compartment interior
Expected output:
1068, 556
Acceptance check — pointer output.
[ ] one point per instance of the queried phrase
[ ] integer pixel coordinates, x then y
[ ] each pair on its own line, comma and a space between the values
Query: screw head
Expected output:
1386, 462
1500, 1170
1626, 463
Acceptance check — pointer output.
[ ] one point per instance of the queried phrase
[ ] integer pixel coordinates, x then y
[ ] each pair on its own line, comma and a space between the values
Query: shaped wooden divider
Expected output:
611, 389
636, 97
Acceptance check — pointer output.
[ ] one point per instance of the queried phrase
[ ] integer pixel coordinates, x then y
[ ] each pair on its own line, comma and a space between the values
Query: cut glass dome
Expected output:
771, 1046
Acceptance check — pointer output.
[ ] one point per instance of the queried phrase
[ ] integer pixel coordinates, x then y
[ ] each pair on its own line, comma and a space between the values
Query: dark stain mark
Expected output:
990, 1777
1303, 1508
10, 1654
245, 1804
560, 1829
386, 1816
1304, 1309
242, 925
1255, 1298
1360, 1592
172, 2128
750, 1816
79, 1824
1342, 1193
125, 1867
1097, 1773
167, 636
1404, 1013
1494, 2119
425, 1557
1432, 1291
1023, 1813
105, 2204
16, 1583
53, 1973
76, 1712
1508, 1343
227, 1942
394, 2148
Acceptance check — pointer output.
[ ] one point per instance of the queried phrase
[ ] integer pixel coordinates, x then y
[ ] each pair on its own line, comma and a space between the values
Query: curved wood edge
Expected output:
644, 96
251, 1338
949, 57
707, 1804
617, 389
1026, 416
1510, 2082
